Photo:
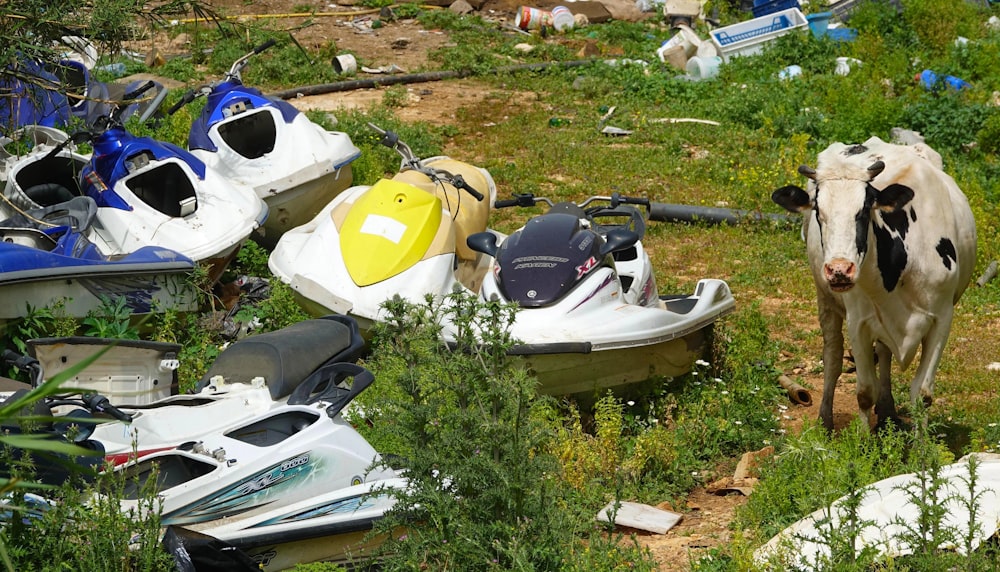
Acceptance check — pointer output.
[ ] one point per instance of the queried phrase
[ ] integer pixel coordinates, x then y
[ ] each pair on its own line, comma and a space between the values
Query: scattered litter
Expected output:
389, 69
988, 274
683, 120
700, 68
639, 516
798, 394
790, 72
626, 61
609, 130
993, 366
930, 80
749, 37
844, 65
345, 64
889, 515
562, 19
525, 48
528, 18
741, 482
400, 43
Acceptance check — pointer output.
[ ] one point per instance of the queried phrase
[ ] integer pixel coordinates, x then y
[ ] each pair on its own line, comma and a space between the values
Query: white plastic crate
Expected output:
749, 37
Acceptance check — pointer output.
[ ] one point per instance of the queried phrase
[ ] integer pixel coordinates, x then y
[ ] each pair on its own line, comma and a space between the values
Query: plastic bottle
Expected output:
116, 69
929, 80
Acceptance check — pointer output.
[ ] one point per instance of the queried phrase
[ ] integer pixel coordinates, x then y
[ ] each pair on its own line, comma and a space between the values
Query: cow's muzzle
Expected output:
840, 274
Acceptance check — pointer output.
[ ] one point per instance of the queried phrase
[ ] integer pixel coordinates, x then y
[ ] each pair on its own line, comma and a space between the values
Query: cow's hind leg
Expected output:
932, 346
885, 404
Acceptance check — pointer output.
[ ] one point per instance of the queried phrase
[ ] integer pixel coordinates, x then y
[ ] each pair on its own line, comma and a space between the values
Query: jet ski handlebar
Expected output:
391, 140
655, 209
103, 123
233, 73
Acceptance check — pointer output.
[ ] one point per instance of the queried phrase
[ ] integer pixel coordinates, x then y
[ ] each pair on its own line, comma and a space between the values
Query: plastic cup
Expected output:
700, 68
562, 19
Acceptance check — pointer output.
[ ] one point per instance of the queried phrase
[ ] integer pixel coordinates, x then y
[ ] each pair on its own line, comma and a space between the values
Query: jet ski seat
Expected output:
77, 213
286, 357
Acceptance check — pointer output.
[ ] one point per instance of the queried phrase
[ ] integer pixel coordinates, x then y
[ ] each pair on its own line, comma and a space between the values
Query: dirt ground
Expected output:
706, 515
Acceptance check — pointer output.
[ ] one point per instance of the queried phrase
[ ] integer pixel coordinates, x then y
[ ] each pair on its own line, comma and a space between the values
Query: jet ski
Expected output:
589, 314
402, 236
288, 484
252, 378
293, 164
148, 193
46, 257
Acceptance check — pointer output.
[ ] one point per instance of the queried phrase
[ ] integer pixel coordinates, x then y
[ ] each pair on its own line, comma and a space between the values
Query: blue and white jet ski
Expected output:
46, 257
293, 164
589, 314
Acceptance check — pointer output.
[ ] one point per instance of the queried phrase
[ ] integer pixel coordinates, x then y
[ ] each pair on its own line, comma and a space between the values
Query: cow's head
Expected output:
842, 201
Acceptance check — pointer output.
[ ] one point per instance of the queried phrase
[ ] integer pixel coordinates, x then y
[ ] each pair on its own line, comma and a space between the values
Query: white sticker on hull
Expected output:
384, 226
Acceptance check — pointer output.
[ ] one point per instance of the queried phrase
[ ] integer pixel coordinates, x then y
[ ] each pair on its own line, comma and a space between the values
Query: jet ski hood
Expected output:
541, 262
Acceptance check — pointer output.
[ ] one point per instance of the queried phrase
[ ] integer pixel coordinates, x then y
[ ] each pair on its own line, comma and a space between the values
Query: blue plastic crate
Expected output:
777, 23
772, 6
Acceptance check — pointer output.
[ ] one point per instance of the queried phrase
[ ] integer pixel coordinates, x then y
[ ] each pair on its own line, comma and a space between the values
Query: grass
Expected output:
652, 448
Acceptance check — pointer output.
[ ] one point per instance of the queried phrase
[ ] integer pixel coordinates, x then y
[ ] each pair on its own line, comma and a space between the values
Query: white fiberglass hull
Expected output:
591, 340
332, 527
307, 259
306, 168
225, 215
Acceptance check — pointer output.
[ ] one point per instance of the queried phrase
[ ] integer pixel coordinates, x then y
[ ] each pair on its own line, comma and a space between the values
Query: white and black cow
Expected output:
891, 242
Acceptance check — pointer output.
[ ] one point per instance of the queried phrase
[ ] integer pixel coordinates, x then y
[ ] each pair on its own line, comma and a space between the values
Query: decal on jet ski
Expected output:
585, 267
340, 506
538, 262
609, 279
388, 228
248, 494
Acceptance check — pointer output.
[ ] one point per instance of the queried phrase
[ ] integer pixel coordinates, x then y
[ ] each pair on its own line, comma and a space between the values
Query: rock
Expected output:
461, 7
596, 12
616, 9
589, 50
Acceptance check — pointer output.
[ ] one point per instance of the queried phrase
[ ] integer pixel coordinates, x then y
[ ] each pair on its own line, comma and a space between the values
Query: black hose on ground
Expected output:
686, 213
385, 80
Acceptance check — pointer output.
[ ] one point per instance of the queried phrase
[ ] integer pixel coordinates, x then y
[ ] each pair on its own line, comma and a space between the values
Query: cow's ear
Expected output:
893, 197
792, 198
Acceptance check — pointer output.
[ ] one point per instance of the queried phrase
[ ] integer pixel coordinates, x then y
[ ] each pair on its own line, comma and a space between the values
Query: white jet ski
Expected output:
250, 378
590, 316
293, 164
402, 236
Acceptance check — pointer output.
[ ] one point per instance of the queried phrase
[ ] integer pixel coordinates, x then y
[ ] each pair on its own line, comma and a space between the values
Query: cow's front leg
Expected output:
831, 321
